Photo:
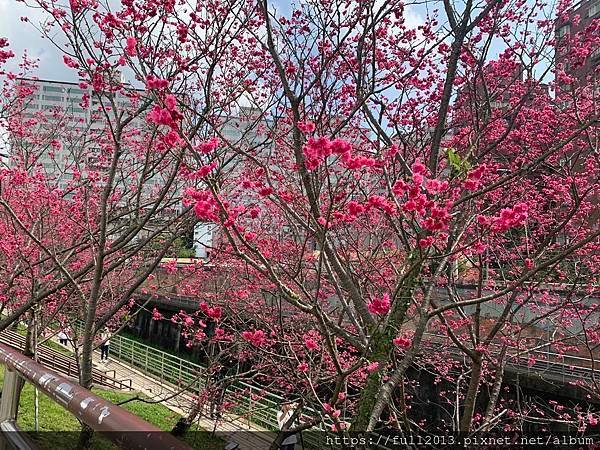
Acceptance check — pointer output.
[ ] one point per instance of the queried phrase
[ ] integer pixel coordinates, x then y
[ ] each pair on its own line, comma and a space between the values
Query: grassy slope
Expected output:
61, 428
22, 330
54, 418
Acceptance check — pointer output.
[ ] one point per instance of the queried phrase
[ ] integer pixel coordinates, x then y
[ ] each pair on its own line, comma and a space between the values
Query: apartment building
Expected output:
65, 133
246, 128
570, 32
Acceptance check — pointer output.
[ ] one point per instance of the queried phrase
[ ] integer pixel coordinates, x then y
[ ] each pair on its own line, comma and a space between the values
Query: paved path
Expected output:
229, 426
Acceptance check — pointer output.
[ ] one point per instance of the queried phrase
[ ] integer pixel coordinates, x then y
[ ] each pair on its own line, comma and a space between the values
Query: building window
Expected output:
53, 98
53, 89
594, 10
563, 31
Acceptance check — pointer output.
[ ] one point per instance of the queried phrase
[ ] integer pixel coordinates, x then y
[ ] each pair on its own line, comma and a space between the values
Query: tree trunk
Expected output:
471, 396
382, 346
27, 351
184, 423
85, 380
489, 412
87, 352
366, 402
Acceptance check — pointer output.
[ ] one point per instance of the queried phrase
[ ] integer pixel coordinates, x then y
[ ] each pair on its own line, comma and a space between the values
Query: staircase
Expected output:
64, 364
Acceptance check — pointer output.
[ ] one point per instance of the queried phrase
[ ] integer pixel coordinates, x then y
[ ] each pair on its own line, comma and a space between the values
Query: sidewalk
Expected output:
229, 425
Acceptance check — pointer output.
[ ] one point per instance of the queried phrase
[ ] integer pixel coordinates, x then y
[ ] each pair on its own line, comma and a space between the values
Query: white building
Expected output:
203, 239
68, 125
62, 105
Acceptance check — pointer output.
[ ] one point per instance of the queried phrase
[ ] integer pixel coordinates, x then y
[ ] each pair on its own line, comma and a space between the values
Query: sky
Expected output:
24, 37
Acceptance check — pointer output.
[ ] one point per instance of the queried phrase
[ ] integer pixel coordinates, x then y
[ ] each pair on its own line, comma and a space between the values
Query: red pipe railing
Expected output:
119, 425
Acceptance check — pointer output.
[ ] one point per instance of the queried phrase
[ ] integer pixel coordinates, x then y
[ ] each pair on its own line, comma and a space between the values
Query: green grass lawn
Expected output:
59, 348
59, 429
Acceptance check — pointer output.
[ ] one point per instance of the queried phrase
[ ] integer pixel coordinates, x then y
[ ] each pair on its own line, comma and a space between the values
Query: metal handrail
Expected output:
63, 363
251, 402
261, 411
542, 357
117, 424
178, 369
156, 362
177, 372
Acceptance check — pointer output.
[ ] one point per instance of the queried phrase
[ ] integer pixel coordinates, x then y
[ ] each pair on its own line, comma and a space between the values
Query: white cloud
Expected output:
23, 37
412, 17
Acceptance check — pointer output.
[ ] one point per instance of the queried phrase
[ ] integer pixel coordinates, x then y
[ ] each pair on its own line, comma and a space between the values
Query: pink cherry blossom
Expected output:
380, 306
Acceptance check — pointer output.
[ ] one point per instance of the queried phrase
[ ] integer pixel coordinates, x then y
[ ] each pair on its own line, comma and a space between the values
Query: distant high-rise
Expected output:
68, 119
570, 32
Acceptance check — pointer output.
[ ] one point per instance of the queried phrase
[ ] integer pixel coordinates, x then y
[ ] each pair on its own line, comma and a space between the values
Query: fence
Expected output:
551, 365
160, 365
258, 406
254, 404
64, 364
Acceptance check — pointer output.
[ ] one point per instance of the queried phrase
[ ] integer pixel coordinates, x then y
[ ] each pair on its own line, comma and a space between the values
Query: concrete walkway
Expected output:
232, 428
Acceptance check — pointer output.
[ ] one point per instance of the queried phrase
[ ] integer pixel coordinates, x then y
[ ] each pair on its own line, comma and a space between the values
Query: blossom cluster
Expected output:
507, 218
257, 337
317, 150
380, 306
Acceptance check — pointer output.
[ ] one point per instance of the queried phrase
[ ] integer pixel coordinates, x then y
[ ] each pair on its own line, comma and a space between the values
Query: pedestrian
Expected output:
105, 345
283, 416
63, 337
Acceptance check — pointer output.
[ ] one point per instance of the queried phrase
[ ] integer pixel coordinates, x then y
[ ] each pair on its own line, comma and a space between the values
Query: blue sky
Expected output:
24, 36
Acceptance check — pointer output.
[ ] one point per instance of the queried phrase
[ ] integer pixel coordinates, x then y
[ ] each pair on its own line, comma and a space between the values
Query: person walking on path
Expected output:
63, 336
105, 344
283, 416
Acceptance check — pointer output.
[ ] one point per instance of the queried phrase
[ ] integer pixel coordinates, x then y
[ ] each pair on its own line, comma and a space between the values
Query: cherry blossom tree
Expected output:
357, 170
82, 235
374, 189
